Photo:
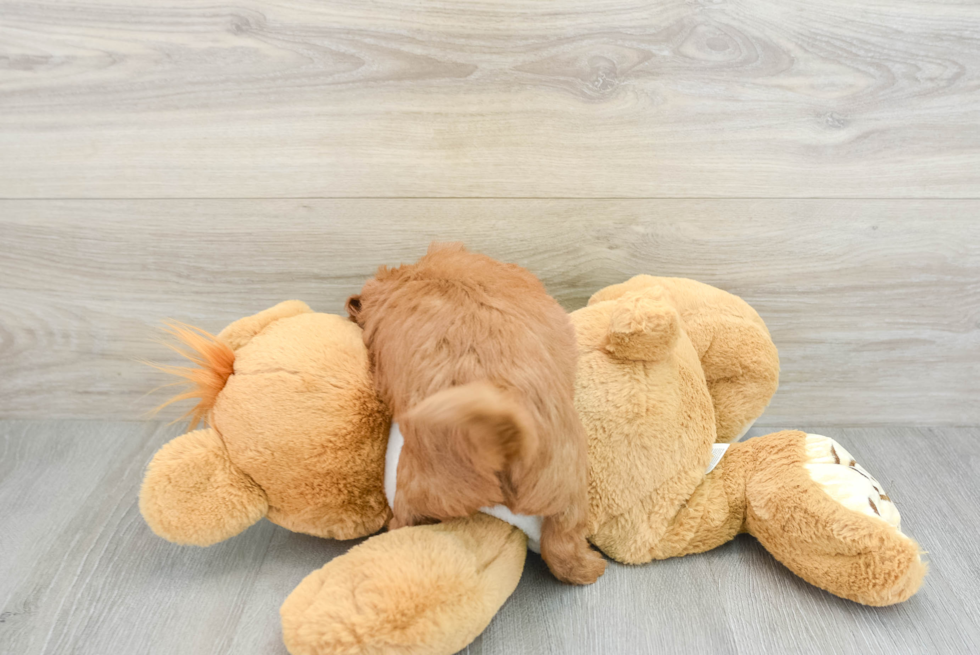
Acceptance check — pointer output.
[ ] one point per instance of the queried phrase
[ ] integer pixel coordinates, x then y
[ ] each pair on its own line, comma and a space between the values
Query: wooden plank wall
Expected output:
874, 308
558, 98
176, 158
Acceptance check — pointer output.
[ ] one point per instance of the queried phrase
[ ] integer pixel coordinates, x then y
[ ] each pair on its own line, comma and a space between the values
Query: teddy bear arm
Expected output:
241, 331
424, 589
193, 494
741, 366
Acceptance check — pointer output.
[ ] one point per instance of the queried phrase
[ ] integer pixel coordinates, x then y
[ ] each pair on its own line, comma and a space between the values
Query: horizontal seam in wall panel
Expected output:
541, 198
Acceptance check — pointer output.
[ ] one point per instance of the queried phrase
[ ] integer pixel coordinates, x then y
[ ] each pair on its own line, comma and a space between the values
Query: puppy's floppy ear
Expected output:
354, 308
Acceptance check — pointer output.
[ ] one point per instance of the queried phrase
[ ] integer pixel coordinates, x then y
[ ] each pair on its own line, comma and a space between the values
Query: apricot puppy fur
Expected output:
477, 363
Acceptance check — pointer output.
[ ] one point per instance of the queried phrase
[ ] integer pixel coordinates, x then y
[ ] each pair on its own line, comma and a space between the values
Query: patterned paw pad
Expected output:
846, 481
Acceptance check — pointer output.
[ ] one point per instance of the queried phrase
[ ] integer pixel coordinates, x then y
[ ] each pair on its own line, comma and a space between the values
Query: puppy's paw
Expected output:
586, 569
572, 560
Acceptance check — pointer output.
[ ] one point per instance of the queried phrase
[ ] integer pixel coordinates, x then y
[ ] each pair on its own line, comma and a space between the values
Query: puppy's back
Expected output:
458, 318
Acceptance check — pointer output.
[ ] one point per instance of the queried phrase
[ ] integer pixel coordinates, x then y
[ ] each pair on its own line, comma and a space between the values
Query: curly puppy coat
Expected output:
477, 363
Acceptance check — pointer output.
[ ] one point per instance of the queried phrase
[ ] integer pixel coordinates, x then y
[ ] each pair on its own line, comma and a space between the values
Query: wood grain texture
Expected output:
81, 574
562, 98
874, 305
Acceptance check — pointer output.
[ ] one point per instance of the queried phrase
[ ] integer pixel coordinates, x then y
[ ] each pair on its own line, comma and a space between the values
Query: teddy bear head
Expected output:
295, 433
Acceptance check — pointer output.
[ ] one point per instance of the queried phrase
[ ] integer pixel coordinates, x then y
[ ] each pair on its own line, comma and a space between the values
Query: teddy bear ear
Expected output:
239, 333
642, 328
193, 494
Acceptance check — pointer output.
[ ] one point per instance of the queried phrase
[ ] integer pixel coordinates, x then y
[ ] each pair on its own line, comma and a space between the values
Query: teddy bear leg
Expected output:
428, 589
710, 517
193, 494
828, 520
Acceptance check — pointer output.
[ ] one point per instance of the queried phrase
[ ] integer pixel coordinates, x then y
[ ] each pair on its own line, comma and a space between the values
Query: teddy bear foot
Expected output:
846, 481
830, 522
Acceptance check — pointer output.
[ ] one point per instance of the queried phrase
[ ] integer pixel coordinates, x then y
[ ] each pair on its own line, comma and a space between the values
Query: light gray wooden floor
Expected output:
80, 573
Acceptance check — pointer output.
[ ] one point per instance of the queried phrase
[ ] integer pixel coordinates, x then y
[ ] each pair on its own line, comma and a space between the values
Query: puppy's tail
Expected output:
495, 429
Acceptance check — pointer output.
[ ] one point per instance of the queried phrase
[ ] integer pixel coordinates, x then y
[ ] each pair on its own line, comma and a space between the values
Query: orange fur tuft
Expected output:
215, 362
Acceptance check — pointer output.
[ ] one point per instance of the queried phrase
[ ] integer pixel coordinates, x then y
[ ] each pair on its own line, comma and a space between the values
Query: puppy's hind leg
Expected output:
402, 516
567, 552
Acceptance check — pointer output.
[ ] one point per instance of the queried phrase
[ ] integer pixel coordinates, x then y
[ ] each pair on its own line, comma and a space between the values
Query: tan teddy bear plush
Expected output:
667, 368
